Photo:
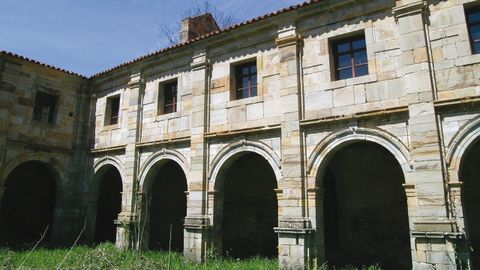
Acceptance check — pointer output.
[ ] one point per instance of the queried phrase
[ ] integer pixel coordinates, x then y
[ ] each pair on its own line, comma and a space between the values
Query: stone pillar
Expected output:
197, 224
294, 228
430, 223
131, 117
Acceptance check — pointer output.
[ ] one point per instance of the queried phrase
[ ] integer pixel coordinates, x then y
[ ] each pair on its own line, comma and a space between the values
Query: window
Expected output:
169, 98
45, 108
473, 21
246, 80
112, 112
350, 57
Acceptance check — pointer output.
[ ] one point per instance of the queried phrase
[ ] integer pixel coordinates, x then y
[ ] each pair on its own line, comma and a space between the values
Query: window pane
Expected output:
343, 47
360, 57
245, 70
344, 60
245, 81
254, 80
474, 17
345, 73
476, 47
359, 44
253, 91
475, 32
361, 70
253, 69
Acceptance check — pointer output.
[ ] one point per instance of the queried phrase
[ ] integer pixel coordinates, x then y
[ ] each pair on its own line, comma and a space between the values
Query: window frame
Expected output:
109, 116
252, 89
468, 11
162, 97
38, 114
350, 39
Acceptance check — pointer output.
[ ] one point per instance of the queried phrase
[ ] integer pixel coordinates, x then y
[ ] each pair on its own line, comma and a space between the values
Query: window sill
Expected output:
351, 81
43, 124
243, 101
467, 60
166, 116
111, 127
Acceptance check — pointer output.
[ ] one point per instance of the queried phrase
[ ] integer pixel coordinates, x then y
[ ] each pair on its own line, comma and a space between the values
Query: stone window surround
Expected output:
367, 29
232, 87
160, 116
55, 112
107, 113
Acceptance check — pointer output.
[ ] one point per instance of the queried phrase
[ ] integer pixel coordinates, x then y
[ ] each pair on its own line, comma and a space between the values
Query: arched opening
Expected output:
168, 207
249, 211
109, 205
365, 213
470, 176
28, 205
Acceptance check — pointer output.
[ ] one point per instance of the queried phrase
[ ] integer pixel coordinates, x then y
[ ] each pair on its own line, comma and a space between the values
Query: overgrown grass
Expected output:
107, 256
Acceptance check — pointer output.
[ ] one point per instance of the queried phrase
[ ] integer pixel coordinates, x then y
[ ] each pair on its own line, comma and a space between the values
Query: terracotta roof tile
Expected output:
41, 63
281, 11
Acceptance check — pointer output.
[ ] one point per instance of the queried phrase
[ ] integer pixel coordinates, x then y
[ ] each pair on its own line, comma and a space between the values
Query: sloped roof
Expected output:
215, 33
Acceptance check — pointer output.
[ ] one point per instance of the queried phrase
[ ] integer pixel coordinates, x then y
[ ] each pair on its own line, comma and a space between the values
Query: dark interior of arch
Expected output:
168, 208
109, 205
365, 209
250, 209
27, 205
470, 175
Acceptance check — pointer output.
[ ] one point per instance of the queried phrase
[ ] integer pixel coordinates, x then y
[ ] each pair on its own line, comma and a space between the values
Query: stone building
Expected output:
340, 131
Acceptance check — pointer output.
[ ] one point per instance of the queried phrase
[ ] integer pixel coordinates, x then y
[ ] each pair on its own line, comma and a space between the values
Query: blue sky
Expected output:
88, 36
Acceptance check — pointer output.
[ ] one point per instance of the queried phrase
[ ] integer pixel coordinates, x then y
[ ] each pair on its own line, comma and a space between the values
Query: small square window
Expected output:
350, 57
45, 108
473, 22
167, 98
112, 110
246, 80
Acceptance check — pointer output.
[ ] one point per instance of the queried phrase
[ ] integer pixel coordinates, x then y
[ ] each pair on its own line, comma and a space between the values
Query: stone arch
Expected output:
460, 143
162, 156
99, 168
164, 200
57, 167
334, 142
234, 149
334, 148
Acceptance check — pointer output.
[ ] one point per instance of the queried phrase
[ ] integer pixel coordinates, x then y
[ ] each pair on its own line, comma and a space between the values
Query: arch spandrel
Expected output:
465, 138
325, 149
228, 153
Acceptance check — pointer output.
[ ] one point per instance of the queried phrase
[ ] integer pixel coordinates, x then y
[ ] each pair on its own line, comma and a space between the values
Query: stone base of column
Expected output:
437, 244
196, 238
296, 247
125, 237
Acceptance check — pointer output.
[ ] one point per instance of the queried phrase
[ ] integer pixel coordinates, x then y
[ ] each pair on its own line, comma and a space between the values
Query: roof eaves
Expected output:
41, 63
228, 29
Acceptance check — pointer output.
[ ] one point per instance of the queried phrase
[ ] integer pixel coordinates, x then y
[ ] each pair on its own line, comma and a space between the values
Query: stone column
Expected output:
197, 224
130, 116
294, 228
430, 223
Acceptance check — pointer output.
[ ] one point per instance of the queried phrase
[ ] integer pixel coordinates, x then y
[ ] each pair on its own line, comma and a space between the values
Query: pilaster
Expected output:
132, 107
294, 228
430, 219
197, 224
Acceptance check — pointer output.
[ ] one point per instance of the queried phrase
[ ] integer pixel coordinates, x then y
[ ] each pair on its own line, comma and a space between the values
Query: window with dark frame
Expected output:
350, 57
170, 97
113, 109
473, 22
246, 80
45, 108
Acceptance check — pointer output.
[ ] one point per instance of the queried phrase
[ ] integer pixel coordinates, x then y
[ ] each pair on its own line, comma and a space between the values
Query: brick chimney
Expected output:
193, 27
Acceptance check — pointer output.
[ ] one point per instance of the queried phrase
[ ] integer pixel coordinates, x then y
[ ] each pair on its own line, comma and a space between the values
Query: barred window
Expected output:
45, 108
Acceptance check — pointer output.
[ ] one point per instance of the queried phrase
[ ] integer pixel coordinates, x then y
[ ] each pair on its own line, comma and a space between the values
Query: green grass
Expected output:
107, 256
